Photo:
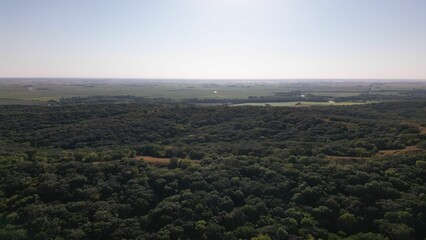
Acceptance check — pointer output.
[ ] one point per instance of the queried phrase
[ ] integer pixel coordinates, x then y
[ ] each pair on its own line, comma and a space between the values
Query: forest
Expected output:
77, 171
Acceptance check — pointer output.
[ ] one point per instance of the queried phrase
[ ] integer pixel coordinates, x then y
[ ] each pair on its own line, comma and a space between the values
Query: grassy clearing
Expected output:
408, 150
421, 129
337, 93
154, 160
160, 162
404, 151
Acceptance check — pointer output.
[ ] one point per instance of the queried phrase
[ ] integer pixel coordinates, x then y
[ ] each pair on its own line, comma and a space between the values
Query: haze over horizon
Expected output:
195, 39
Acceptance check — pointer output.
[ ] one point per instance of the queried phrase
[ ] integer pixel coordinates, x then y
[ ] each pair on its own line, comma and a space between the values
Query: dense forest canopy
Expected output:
340, 172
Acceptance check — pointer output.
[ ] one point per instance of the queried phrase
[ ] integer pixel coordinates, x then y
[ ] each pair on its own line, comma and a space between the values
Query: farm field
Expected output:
8, 101
51, 89
301, 104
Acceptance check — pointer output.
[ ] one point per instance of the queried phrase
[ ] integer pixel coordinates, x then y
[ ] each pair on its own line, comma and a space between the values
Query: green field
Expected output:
51, 89
301, 104
46, 92
8, 101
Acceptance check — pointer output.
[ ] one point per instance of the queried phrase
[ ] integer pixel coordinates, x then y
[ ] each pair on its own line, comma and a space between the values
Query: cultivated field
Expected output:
301, 104
54, 89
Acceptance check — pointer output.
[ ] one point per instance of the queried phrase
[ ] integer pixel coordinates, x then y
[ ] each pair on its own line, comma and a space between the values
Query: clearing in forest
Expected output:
381, 153
160, 162
421, 129
406, 150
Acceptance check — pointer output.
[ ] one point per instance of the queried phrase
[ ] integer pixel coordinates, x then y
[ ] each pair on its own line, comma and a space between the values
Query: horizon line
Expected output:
180, 78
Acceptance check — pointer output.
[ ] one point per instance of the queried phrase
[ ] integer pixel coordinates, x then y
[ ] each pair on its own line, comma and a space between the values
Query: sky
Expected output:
231, 39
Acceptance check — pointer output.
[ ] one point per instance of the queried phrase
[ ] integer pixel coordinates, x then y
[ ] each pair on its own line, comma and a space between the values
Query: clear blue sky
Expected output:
213, 38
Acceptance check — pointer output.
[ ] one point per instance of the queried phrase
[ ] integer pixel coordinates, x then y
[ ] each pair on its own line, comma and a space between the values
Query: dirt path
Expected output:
381, 153
417, 125
159, 162
343, 159
406, 150
154, 160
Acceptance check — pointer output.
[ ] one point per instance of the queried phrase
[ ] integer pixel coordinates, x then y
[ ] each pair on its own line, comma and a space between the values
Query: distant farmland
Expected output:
49, 89
300, 104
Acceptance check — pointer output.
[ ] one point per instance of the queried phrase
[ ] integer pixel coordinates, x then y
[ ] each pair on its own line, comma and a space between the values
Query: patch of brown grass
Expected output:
421, 129
159, 162
404, 151
154, 160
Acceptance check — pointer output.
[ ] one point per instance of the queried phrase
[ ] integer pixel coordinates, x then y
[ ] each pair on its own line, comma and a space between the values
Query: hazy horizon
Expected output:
214, 40
215, 80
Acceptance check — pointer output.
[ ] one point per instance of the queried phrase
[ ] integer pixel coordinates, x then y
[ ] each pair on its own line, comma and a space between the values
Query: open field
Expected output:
9, 101
47, 89
300, 104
